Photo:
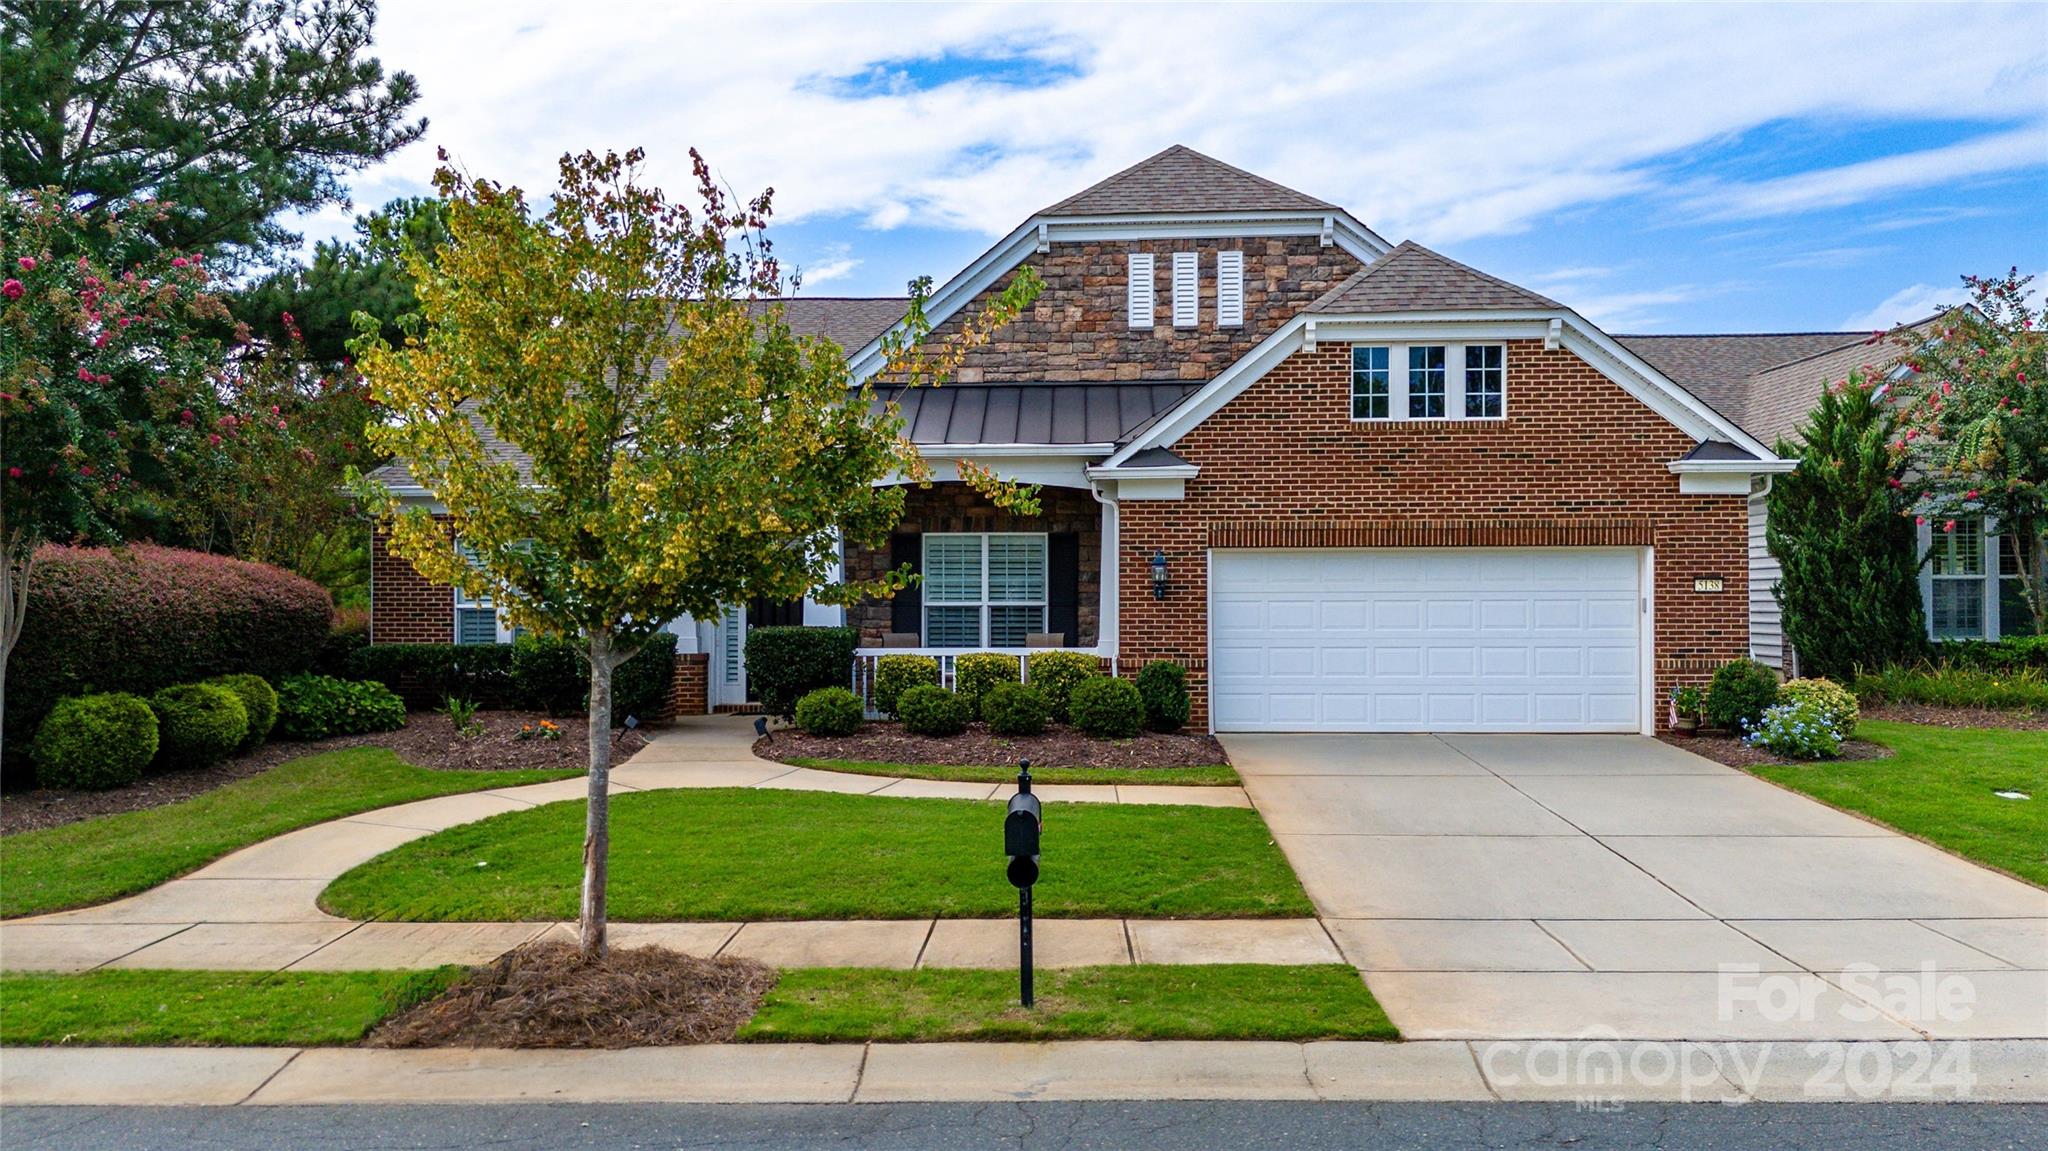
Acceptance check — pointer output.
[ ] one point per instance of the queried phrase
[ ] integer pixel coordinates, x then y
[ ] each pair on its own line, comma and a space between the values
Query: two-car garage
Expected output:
1427, 639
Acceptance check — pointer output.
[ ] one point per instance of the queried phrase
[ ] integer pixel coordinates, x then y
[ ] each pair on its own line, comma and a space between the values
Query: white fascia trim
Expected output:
1169, 472
1771, 466
1284, 342
973, 451
1012, 250
1676, 404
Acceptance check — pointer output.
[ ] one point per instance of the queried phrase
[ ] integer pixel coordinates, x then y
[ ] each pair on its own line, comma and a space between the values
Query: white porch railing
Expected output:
865, 658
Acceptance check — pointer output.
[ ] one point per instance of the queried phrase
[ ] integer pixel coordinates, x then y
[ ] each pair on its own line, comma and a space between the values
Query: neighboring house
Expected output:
1350, 485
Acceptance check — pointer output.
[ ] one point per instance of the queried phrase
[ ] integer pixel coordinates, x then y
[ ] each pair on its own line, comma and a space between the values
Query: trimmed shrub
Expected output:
928, 709
829, 711
896, 674
1836, 703
978, 671
2007, 655
1163, 688
142, 618
547, 673
259, 700
95, 742
1107, 707
424, 674
640, 685
197, 724
317, 706
786, 663
1797, 728
1056, 673
2026, 689
1740, 691
1015, 709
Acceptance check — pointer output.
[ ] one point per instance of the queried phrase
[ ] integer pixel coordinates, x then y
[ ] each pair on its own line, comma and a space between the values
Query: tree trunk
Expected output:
16, 565
597, 835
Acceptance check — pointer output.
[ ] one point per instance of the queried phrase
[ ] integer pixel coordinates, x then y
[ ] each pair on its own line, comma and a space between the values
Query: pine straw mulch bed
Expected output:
1732, 751
1058, 746
547, 995
427, 740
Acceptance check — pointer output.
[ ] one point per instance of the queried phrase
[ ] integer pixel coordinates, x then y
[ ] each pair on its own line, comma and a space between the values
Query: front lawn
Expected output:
747, 854
80, 864
211, 1008
1941, 786
1214, 775
1225, 1001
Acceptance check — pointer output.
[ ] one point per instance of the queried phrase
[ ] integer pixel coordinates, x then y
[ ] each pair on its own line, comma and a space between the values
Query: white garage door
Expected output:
1425, 639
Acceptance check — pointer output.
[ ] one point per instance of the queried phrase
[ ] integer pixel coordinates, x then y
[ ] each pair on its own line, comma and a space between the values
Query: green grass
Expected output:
95, 860
1226, 1001
217, 1008
1939, 787
727, 854
1213, 775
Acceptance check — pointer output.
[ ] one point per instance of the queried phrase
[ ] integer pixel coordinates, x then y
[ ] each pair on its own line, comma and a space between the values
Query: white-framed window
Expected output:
1485, 380
1230, 289
1138, 290
476, 618
1426, 379
983, 589
1187, 289
1958, 588
1371, 383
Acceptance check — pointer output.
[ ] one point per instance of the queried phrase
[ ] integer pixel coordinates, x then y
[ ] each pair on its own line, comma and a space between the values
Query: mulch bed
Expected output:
1959, 716
1732, 751
1059, 746
427, 740
547, 995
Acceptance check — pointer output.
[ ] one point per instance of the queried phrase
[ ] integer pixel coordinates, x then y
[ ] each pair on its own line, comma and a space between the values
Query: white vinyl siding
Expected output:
983, 590
1766, 621
1230, 289
1187, 289
1138, 291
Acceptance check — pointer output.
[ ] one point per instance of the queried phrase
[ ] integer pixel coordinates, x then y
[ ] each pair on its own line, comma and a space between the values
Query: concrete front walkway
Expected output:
255, 909
1561, 886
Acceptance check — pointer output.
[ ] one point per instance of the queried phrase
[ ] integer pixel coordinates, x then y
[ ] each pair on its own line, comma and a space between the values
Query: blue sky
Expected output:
1660, 168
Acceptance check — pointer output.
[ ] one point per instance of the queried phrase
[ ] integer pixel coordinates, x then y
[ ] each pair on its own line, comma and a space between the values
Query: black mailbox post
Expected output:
1020, 842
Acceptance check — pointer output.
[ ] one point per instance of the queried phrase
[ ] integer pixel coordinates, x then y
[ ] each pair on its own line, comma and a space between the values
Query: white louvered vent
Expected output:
1187, 289
1230, 289
1138, 298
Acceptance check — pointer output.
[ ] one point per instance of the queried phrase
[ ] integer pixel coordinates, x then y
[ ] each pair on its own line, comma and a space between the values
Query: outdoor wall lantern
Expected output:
1158, 574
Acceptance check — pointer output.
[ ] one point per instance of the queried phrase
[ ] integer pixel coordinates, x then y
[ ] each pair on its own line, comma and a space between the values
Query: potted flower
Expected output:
1688, 704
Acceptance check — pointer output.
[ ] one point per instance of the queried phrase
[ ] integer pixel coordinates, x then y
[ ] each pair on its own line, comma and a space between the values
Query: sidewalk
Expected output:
255, 910
2013, 1071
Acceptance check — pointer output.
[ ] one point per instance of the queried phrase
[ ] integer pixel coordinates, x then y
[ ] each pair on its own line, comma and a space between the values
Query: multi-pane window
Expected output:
476, 618
1370, 381
1485, 380
983, 590
1426, 382
1956, 569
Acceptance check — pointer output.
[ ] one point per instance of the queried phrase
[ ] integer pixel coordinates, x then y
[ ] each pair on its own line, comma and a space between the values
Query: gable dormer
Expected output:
1171, 269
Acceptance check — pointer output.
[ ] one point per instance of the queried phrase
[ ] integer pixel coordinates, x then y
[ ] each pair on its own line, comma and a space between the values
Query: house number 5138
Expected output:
1707, 583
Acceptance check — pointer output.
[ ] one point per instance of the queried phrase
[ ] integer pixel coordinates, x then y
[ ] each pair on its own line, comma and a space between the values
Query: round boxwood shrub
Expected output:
975, 673
259, 699
1739, 693
896, 674
1107, 707
198, 724
1837, 704
829, 711
95, 742
1056, 673
932, 710
1015, 709
1163, 688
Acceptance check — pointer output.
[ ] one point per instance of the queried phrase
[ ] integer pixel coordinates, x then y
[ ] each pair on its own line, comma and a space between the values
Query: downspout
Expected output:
1107, 615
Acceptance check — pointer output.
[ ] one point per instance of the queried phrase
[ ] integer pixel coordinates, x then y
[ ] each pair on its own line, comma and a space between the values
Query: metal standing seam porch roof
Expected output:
1034, 413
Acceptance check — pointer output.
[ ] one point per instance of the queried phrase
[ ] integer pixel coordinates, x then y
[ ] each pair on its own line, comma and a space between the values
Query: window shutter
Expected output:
1230, 289
1138, 299
906, 611
1063, 586
1187, 288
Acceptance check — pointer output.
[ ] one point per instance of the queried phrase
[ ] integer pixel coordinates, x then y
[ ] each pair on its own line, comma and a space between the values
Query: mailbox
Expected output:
1020, 838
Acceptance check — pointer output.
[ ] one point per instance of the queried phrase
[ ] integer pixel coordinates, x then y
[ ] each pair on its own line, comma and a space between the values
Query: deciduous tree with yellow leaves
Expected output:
621, 428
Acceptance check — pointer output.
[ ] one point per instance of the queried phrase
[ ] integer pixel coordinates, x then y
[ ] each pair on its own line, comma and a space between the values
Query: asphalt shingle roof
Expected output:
849, 321
1181, 179
1411, 278
1717, 369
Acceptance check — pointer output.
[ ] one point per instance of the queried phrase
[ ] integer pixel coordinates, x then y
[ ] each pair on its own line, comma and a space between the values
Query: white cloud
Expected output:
1629, 311
1443, 123
835, 263
1905, 305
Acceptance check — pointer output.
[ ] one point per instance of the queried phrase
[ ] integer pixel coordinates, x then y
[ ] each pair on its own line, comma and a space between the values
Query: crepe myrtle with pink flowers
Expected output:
99, 354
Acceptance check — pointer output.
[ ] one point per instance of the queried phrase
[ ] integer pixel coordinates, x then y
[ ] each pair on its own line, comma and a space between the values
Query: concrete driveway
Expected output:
1544, 886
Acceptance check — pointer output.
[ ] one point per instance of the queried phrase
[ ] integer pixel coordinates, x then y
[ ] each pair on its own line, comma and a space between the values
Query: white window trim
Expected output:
1989, 578
465, 602
1352, 384
1140, 291
1187, 289
1454, 383
1042, 603
1230, 289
